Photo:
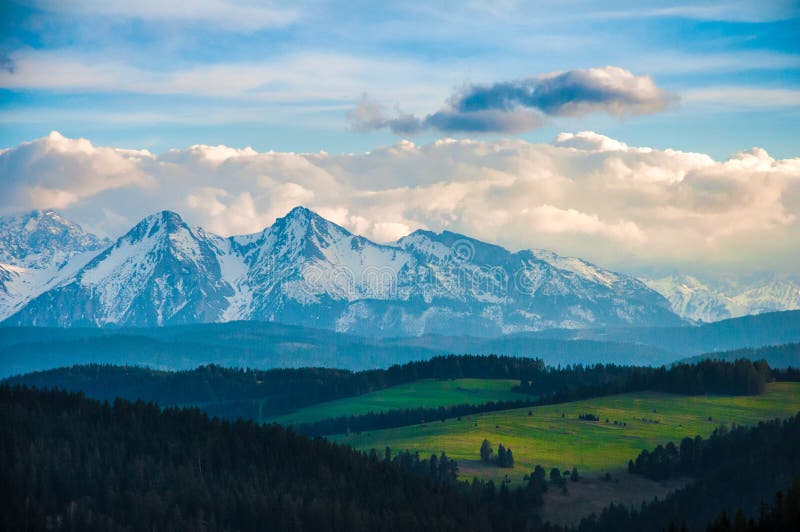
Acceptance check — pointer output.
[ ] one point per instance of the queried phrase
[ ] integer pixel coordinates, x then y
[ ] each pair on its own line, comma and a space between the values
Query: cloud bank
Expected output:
515, 106
583, 194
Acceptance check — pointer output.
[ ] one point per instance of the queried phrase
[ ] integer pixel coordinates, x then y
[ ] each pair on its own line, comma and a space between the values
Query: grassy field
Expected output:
424, 393
553, 436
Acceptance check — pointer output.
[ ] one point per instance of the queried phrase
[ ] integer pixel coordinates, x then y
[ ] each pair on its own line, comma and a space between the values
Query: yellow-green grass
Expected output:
547, 438
429, 393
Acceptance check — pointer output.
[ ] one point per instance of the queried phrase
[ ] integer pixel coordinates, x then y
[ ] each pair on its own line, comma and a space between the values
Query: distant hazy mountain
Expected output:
714, 300
309, 271
777, 356
273, 345
270, 345
769, 328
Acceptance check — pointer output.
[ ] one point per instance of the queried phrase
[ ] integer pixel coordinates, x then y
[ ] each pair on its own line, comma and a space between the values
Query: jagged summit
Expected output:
307, 270
39, 238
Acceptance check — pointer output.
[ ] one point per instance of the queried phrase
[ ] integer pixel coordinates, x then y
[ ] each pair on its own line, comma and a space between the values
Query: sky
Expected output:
636, 134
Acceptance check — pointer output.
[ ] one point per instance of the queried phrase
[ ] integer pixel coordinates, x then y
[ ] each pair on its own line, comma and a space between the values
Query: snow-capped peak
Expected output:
712, 300
307, 270
38, 239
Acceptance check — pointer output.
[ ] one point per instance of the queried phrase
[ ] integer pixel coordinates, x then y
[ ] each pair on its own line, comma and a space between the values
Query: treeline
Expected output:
734, 470
571, 383
741, 377
403, 417
72, 463
278, 391
255, 394
441, 468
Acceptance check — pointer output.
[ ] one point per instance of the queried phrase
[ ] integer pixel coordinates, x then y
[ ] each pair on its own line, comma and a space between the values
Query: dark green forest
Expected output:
735, 470
72, 463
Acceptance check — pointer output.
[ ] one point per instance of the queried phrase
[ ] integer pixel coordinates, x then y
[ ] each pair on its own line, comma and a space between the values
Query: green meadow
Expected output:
553, 436
429, 393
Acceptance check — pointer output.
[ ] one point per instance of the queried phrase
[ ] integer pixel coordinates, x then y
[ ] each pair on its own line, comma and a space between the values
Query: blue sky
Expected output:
283, 77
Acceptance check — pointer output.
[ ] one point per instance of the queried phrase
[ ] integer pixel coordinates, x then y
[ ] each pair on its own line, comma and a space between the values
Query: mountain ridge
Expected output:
309, 271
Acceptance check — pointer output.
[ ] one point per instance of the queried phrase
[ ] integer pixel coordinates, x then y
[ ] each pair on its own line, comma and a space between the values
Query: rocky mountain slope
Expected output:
309, 271
39, 250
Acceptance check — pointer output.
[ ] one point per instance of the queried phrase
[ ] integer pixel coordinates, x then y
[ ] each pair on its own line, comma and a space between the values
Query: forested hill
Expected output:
736, 470
278, 390
132, 466
254, 394
777, 356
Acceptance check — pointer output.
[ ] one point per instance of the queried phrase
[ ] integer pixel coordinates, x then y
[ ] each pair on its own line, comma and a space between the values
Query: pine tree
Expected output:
486, 451
501, 456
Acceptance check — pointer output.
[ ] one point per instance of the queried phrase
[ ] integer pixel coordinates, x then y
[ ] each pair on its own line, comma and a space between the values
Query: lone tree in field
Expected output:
486, 451
574, 476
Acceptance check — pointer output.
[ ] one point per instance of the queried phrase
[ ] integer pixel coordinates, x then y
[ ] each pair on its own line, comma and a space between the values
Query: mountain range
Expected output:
713, 299
308, 271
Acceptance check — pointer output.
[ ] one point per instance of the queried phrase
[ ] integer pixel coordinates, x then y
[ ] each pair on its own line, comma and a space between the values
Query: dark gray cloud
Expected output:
522, 105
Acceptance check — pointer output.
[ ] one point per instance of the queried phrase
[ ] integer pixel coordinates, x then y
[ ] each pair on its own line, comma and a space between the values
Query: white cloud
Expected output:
57, 172
584, 194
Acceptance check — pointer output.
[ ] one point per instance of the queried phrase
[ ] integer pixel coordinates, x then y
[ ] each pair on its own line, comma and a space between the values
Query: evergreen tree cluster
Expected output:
504, 457
441, 468
733, 471
403, 417
741, 377
70, 463
784, 514
277, 390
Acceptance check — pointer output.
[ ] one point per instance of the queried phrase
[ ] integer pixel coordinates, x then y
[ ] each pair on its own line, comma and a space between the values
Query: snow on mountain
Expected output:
38, 250
309, 271
40, 239
161, 272
705, 300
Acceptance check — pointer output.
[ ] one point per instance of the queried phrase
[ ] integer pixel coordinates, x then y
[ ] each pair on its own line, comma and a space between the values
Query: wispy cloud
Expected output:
228, 14
737, 97
285, 78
